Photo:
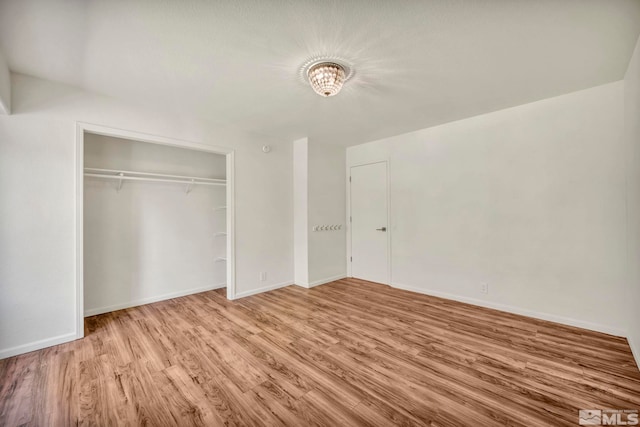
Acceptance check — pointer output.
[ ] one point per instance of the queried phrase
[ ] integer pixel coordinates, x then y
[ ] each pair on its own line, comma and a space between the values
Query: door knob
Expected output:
382, 229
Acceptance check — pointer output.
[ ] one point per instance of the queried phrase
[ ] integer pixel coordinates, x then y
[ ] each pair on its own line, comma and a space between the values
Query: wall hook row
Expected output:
333, 227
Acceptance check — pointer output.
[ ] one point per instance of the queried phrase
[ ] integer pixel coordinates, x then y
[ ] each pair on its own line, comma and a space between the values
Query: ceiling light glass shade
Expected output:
326, 78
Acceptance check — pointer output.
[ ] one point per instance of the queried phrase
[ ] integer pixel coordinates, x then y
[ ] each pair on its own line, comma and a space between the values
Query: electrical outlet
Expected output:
263, 276
484, 288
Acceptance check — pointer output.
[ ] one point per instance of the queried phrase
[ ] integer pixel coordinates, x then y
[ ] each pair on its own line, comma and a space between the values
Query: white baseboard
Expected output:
149, 300
37, 345
263, 289
325, 280
517, 310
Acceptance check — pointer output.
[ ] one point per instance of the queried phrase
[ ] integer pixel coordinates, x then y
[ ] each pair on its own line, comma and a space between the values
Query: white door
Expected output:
369, 227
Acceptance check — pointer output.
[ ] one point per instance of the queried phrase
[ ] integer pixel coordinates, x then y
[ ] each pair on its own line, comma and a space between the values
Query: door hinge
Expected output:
349, 179
350, 220
351, 258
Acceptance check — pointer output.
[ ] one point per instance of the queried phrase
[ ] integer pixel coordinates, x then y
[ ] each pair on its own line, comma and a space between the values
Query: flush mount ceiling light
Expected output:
326, 78
326, 75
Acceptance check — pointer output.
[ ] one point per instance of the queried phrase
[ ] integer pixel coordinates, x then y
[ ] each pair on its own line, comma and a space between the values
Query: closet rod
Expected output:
104, 172
140, 178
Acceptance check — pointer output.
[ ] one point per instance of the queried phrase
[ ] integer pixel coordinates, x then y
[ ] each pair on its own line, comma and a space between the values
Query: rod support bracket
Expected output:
189, 186
121, 174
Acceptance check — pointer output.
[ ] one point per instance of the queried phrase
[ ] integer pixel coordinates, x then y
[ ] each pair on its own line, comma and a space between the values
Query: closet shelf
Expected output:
122, 175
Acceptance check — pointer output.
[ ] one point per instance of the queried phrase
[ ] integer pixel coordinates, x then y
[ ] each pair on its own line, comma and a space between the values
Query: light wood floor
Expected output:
347, 353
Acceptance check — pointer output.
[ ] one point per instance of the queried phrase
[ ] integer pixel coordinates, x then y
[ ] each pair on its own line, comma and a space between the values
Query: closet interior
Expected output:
154, 222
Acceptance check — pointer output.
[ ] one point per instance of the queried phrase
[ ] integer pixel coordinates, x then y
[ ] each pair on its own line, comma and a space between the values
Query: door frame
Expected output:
81, 130
348, 218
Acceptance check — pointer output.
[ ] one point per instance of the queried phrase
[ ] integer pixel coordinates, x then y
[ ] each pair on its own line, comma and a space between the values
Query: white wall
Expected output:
123, 154
632, 136
327, 249
301, 211
5, 86
150, 240
530, 200
319, 200
37, 204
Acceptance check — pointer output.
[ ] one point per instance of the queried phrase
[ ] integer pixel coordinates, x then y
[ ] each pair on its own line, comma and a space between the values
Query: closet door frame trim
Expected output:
83, 128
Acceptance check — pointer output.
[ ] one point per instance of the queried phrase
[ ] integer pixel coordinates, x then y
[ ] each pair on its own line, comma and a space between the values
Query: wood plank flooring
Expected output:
347, 353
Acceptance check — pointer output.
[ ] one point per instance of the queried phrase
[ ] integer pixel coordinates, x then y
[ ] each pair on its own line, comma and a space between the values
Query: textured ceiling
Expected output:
235, 63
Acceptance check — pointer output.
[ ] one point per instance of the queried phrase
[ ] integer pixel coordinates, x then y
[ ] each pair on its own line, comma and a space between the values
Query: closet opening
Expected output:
154, 220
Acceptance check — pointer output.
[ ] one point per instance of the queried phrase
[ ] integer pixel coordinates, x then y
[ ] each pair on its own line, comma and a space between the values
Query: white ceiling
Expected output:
235, 63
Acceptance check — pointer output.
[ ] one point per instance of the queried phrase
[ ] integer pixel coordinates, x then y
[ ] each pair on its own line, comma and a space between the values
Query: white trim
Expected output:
81, 129
79, 221
368, 162
389, 223
348, 219
153, 139
37, 345
517, 310
149, 300
264, 289
322, 281
231, 226
635, 350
